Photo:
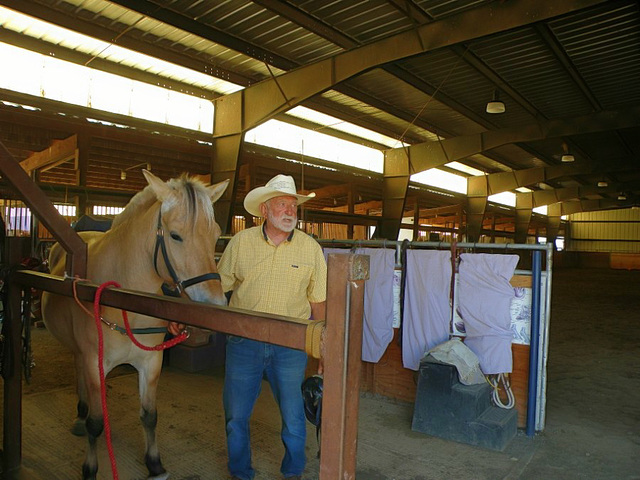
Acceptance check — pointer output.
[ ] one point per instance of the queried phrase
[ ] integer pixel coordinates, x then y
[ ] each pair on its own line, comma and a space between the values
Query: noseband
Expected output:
179, 285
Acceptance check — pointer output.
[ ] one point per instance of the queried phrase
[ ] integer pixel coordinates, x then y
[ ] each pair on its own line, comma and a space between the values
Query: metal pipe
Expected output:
544, 348
381, 243
534, 344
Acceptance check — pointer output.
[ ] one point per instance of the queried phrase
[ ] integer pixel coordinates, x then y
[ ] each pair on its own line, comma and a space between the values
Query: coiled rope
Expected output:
313, 338
495, 381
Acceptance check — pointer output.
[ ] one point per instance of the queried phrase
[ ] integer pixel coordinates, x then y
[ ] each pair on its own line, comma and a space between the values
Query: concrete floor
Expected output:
592, 429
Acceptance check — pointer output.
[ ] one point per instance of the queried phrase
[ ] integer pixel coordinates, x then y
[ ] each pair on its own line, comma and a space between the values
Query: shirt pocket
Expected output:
300, 275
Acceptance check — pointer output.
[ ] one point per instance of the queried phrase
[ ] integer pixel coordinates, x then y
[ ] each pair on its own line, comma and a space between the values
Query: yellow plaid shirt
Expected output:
281, 280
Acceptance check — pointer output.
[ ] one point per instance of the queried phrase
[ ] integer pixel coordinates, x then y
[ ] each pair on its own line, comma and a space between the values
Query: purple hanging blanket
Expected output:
427, 311
484, 302
377, 328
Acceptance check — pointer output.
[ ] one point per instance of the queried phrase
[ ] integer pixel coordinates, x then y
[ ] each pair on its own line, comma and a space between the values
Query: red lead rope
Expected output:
103, 387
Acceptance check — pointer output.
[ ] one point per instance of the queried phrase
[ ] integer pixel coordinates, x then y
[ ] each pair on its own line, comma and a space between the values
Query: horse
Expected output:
167, 232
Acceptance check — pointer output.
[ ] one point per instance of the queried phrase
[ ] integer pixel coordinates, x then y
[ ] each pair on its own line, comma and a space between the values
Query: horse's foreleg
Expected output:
94, 426
94, 420
79, 426
148, 376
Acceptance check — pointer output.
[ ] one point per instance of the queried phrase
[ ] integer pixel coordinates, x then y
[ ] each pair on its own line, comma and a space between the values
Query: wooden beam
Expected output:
331, 191
59, 152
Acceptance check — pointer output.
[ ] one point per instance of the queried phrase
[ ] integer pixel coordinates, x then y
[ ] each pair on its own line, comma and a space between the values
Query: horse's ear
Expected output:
160, 188
216, 191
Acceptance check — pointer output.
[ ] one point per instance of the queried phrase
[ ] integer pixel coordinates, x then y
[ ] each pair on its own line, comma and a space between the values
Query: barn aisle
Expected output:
592, 431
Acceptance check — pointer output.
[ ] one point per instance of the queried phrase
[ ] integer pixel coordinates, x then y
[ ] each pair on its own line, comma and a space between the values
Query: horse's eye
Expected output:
176, 237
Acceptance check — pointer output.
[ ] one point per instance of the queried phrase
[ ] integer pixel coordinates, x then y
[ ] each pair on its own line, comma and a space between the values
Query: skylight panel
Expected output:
504, 198
441, 179
113, 53
284, 136
464, 168
541, 210
342, 126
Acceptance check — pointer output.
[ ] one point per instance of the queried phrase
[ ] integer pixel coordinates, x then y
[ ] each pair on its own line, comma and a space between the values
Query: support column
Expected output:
350, 209
228, 134
554, 218
524, 211
82, 162
12, 376
416, 219
345, 288
395, 186
477, 193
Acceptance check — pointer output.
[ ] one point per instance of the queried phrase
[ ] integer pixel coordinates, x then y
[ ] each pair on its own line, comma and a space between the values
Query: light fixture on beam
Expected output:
567, 157
496, 105
603, 183
622, 196
123, 172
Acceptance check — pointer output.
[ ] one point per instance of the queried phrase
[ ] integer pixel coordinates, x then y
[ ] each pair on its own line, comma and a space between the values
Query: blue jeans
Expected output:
247, 362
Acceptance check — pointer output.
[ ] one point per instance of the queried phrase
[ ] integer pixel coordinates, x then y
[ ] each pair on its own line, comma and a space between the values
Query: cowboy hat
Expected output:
280, 185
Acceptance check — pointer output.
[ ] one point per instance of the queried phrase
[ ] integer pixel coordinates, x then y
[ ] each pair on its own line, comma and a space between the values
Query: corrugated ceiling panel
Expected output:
602, 147
524, 60
444, 8
603, 45
365, 20
165, 36
362, 109
451, 74
401, 95
631, 137
259, 26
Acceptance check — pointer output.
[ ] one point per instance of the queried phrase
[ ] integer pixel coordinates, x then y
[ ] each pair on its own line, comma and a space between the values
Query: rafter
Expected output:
428, 155
59, 152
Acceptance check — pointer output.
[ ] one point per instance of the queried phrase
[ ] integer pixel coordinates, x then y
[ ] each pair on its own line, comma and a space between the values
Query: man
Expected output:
272, 268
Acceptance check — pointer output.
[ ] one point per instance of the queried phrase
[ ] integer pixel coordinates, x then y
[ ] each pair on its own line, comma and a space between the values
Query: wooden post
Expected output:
12, 375
345, 305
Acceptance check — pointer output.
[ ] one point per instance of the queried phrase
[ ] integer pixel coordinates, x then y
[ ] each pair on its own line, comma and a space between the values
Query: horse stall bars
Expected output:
389, 378
346, 276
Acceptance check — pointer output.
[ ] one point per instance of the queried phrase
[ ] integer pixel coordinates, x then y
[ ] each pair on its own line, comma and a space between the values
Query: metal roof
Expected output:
570, 68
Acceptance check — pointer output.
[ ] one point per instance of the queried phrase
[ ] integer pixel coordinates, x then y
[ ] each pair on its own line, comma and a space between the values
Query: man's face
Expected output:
282, 212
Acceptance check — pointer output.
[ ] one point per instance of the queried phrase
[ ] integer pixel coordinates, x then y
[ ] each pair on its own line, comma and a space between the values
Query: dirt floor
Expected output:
592, 416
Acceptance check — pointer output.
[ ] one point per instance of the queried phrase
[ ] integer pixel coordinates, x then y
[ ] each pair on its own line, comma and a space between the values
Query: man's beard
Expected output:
286, 223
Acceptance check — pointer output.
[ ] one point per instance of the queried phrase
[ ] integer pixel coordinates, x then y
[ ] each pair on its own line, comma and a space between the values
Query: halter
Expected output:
179, 285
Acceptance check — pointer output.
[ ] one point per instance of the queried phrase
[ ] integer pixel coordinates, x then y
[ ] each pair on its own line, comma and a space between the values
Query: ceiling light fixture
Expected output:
603, 183
622, 196
496, 105
123, 175
567, 157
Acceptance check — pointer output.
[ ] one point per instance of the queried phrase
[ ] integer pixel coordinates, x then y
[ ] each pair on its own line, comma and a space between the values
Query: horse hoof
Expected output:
162, 476
79, 428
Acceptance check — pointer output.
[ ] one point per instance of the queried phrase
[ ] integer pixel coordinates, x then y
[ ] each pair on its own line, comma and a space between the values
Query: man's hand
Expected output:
176, 328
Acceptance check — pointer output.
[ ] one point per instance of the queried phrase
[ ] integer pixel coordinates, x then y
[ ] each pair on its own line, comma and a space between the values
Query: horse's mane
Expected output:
192, 197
